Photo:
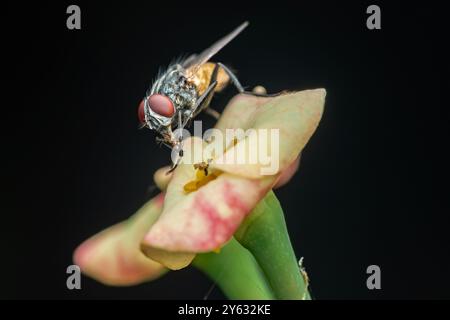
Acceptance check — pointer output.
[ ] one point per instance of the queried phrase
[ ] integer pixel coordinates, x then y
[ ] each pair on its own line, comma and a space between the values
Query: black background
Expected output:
373, 184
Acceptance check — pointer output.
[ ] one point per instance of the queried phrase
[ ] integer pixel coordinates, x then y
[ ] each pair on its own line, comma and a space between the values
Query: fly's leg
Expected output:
238, 85
179, 144
175, 165
162, 141
202, 102
213, 113
180, 138
180, 127
233, 78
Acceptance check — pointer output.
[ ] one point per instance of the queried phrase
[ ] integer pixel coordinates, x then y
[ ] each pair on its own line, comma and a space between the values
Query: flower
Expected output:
205, 217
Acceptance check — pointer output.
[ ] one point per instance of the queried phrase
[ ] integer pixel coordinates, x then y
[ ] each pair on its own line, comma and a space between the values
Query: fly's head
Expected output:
156, 112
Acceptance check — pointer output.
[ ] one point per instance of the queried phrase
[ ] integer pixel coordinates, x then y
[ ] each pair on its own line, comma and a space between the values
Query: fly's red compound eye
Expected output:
161, 105
141, 112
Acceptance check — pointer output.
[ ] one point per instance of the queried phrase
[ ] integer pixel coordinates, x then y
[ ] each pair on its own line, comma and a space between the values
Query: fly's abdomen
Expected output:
202, 78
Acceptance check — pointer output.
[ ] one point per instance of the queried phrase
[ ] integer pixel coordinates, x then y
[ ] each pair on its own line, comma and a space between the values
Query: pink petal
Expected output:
295, 115
113, 256
288, 173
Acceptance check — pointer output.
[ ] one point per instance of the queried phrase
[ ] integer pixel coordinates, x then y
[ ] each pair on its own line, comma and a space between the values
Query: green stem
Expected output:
265, 235
235, 271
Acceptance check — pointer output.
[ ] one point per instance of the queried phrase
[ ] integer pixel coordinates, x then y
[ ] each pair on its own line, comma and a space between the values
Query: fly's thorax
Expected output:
176, 86
183, 94
202, 78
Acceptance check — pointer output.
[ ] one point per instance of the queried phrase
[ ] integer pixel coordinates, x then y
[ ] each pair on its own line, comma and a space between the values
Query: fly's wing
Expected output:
194, 62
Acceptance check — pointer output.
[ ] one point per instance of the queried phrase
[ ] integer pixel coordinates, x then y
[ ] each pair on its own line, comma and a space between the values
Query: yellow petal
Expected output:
171, 260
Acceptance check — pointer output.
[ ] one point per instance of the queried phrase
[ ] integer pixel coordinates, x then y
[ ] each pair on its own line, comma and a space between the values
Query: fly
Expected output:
184, 90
